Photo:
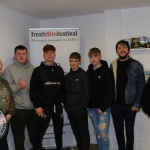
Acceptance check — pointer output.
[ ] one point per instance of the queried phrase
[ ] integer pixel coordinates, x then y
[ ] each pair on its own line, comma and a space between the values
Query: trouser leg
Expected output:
118, 116
57, 118
18, 122
31, 124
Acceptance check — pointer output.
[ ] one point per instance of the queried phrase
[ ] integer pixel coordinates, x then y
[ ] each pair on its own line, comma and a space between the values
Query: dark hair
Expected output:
20, 47
123, 42
94, 51
49, 47
75, 55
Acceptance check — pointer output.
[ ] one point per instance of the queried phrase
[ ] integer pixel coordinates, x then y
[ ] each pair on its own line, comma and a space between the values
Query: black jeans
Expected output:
3, 140
23, 118
79, 124
42, 124
122, 113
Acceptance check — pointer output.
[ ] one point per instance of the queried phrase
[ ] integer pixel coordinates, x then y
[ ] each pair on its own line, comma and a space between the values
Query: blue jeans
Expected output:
101, 124
122, 113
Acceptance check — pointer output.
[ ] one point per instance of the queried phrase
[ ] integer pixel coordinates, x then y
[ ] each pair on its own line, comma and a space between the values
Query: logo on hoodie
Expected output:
49, 83
99, 77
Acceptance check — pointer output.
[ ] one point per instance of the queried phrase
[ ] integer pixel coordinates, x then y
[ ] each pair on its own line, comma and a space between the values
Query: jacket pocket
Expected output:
134, 72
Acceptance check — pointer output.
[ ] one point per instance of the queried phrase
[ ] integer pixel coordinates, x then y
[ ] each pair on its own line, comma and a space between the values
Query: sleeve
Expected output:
139, 86
11, 110
85, 95
33, 92
145, 98
109, 90
62, 96
8, 76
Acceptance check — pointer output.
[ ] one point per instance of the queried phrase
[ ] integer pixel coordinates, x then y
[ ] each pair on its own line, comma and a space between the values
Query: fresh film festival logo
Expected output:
54, 33
3, 125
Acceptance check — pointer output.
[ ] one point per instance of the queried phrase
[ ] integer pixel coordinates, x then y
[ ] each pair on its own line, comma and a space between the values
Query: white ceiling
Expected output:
48, 9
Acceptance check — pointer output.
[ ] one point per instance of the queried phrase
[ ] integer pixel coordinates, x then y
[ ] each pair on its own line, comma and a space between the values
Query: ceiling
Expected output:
48, 9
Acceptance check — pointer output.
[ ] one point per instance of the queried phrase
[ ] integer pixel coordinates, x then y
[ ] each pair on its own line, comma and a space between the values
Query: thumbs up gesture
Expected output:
21, 83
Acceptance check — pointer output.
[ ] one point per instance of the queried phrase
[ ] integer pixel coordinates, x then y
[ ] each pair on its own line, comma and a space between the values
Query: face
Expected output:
1, 69
49, 56
74, 63
21, 56
95, 59
122, 51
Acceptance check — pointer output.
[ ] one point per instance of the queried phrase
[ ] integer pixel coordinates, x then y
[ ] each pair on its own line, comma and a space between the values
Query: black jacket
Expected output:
102, 86
47, 85
77, 88
145, 98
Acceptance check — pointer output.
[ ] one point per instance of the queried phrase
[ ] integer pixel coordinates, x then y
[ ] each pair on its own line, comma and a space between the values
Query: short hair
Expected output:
1, 62
49, 47
94, 51
20, 47
123, 42
75, 55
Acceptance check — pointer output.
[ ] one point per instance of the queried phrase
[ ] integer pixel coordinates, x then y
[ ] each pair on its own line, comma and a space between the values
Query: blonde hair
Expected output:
94, 51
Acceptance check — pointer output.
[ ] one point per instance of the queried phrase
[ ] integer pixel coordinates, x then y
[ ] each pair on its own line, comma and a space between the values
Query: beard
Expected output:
124, 57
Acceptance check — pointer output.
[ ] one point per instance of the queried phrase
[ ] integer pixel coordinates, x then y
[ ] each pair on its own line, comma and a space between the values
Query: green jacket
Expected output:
11, 109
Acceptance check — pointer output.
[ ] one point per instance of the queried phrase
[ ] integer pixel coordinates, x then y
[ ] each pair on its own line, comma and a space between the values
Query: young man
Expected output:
102, 94
77, 98
18, 76
46, 93
129, 83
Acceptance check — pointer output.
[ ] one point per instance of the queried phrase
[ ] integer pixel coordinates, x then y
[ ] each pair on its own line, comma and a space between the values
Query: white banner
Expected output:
66, 41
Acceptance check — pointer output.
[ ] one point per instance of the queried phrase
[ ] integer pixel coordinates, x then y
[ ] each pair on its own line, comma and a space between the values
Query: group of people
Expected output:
41, 93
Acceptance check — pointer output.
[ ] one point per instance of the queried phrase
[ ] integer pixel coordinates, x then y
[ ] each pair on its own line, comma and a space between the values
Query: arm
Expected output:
109, 90
11, 110
8, 76
139, 86
15, 87
33, 92
62, 96
85, 95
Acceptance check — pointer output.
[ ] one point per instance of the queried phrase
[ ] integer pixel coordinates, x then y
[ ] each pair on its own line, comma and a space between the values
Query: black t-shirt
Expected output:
122, 78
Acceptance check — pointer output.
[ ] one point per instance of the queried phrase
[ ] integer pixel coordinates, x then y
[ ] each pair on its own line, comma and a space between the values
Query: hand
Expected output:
62, 104
100, 112
21, 83
39, 112
8, 117
135, 109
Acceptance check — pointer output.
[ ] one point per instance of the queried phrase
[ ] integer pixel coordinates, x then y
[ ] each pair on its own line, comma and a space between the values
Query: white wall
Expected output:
14, 31
91, 32
14, 28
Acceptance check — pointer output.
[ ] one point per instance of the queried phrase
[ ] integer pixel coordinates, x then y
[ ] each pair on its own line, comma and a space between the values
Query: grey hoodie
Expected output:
12, 74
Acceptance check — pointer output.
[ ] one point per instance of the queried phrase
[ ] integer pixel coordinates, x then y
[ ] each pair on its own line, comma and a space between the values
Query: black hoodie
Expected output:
102, 86
77, 88
47, 85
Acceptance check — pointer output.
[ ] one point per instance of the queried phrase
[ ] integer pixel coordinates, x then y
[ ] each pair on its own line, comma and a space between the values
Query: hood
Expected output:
18, 64
103, 62
78, 70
